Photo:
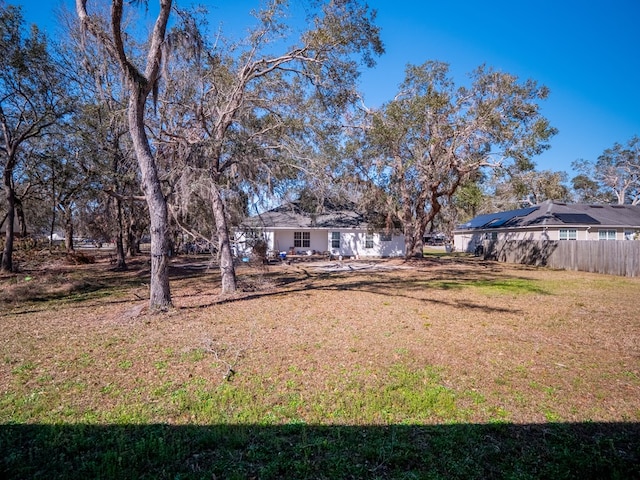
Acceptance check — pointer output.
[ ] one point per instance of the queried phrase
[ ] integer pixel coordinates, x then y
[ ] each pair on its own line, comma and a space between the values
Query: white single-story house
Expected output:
551, 221
336, 230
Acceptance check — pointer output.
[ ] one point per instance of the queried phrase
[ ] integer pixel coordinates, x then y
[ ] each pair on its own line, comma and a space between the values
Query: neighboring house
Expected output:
337, 231
551, 221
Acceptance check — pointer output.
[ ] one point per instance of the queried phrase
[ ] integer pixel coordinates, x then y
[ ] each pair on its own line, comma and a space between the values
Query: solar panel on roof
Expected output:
523, 212
479, 221
576, 218
498, 222
499, 218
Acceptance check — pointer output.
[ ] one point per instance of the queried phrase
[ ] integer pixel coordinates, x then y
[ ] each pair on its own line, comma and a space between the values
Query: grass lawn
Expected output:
446, 367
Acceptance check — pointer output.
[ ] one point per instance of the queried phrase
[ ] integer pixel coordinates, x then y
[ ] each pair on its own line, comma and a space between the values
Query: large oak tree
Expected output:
433, 137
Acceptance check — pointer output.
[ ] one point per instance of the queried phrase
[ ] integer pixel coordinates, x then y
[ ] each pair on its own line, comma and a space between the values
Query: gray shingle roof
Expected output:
557, 214
291, 215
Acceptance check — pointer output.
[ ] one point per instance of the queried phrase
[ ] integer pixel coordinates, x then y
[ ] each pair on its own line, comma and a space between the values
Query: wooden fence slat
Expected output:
612, 257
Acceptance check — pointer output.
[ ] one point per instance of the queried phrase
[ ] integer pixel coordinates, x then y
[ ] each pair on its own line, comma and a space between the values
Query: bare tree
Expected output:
141, 82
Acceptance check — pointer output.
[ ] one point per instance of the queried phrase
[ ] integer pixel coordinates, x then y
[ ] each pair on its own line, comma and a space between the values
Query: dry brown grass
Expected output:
518, 344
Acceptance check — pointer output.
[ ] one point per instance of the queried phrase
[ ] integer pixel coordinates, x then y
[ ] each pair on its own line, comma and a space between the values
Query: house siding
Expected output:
353, 243
282, 240
467, 241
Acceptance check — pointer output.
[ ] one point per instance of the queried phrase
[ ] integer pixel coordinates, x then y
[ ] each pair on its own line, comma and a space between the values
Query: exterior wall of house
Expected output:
356, 244
283, 241
467, 241
353, 243
393, 247
607, 233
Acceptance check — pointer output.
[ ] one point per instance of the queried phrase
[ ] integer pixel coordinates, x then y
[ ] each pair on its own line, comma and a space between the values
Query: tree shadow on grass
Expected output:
388, 284
101, 284
299, 451
92, 282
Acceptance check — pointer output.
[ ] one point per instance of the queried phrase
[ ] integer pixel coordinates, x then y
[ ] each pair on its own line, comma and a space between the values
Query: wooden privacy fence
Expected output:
613, 257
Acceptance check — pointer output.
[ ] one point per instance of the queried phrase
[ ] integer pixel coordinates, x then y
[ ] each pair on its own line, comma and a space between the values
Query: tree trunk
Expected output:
54, 208
6, 264
412, 231
120, 253
227, 269
22, 222
160, 293
52, 227
68, 230
418, 247
7, 255
413, 243
132, 239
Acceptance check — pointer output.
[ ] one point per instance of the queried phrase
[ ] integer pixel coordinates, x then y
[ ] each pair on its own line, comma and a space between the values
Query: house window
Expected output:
491, 236
302, 239
368, 241
335, 239
631, 235
385, 237
568, 234
606, 234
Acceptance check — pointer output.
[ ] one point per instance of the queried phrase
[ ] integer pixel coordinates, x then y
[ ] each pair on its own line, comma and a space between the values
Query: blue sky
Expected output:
586, 52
